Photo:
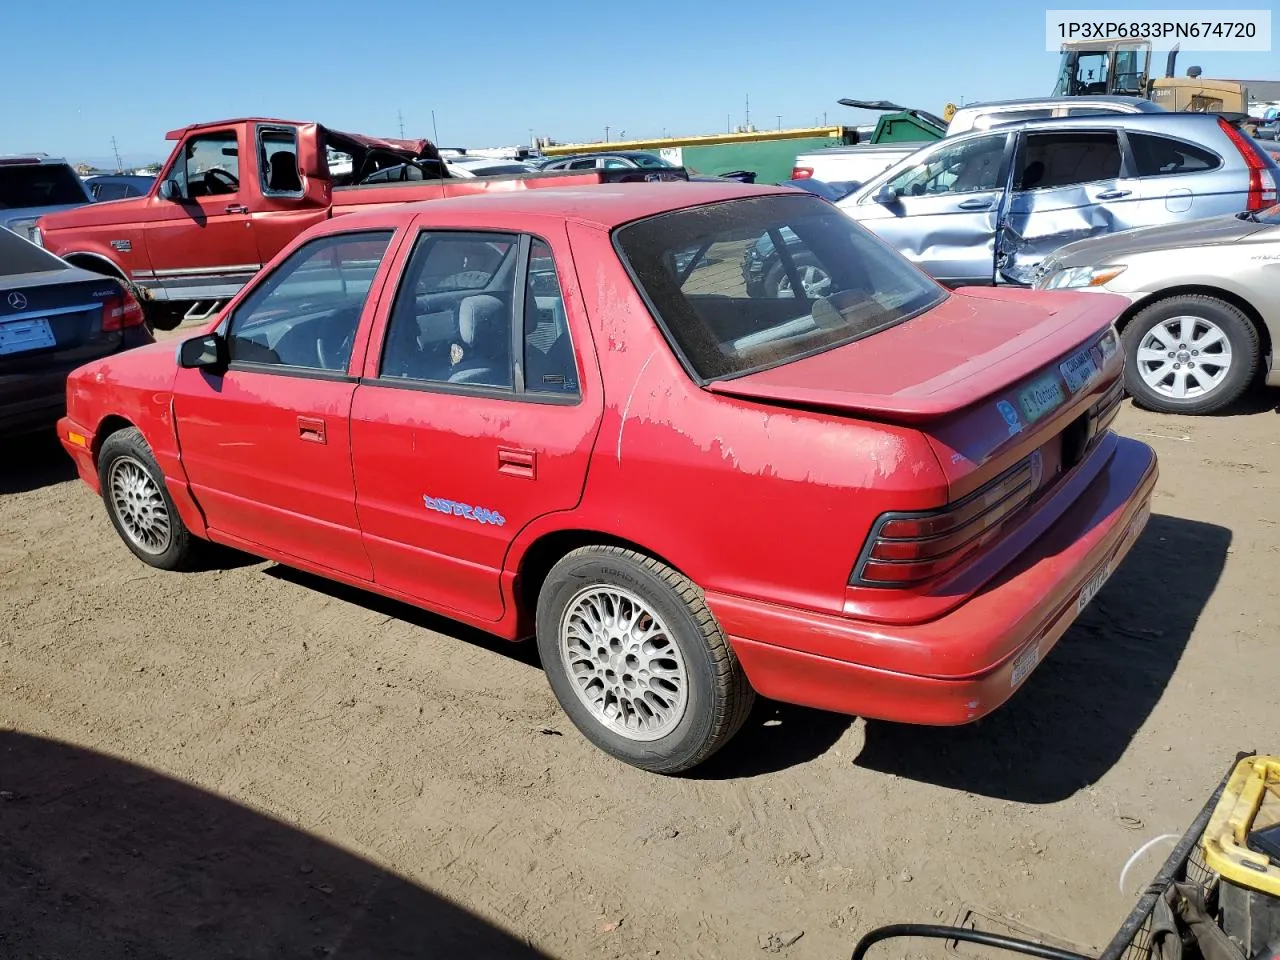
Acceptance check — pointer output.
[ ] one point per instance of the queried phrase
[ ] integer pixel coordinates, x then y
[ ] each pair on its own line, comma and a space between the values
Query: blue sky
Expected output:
85, 72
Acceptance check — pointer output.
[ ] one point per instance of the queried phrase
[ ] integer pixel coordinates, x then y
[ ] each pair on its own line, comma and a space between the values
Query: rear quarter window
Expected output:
1155, 156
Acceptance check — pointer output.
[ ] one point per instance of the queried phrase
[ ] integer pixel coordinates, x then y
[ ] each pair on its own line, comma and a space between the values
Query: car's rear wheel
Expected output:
637, 660
1189, 354
139, 504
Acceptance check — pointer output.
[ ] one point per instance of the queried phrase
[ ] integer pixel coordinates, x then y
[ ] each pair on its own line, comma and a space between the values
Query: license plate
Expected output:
1041, 397
1091, 588
1078, 370
1026, 662
19, 335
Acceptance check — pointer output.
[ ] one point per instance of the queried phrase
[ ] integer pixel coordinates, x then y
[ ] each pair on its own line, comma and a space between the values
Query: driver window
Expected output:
209, 165
969, 167
306, 313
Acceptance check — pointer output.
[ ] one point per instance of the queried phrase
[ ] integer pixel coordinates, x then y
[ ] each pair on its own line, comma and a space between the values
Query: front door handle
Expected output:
237, 208
976, 204
518, 463
311, 429
1113, 194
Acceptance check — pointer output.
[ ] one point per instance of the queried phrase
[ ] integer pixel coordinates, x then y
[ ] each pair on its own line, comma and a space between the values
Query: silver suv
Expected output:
988, 206
32, 185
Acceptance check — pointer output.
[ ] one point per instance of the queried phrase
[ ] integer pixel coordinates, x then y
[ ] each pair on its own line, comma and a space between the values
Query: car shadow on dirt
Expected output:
105, 859
776, 736
1072, 720
523, 652
34, 461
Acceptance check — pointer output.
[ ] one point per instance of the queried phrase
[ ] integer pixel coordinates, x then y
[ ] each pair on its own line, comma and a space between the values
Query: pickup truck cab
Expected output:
234, 193
32, 185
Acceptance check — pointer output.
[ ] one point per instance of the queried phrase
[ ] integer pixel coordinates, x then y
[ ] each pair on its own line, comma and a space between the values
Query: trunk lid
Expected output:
990, 377
54, 318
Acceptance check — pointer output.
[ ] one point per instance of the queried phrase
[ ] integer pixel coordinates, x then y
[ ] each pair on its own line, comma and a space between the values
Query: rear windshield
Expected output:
742, 285
18, 256
39, 185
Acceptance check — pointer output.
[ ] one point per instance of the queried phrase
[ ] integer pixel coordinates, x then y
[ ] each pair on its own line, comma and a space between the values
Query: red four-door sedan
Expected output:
561, 413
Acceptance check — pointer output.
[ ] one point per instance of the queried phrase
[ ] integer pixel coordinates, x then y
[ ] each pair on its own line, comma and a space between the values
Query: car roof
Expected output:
1138, 102
1141, 121
601, 205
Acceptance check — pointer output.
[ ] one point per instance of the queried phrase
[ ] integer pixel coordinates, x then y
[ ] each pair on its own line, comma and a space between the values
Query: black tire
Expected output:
1241, 335
718, 696
777, 274
127, 450
162, 315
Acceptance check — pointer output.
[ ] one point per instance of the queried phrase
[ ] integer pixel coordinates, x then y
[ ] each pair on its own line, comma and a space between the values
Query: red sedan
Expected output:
563, 414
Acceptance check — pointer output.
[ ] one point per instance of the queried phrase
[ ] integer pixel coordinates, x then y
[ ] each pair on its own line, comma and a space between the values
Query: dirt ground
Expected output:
252, 763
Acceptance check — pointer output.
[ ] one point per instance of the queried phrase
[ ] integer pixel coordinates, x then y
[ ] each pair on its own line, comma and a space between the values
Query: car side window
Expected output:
587, 163
1156, 156
278, 161
452, 318
1067, 158
549, 365
305, 314
208, 165
969, 167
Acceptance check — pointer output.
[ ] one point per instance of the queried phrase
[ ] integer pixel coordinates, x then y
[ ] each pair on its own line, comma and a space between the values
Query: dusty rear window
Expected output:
742, 285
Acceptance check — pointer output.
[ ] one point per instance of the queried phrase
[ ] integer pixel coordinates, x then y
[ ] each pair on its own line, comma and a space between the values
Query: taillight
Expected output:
801, 173
122, 311
1262, 185
905, 549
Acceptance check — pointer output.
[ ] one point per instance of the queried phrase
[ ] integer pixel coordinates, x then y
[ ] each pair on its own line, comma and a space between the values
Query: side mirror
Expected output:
886, 195
205, 352
169, 190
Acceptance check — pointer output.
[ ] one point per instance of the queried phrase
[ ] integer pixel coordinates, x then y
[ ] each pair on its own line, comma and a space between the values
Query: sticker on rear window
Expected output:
1010, 416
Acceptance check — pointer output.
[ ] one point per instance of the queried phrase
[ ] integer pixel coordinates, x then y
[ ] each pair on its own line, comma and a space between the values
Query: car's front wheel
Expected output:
139, 504
1189, 354
637, 661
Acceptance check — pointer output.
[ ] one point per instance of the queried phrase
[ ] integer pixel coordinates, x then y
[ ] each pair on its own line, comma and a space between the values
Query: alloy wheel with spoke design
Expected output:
813, 279
623, 662
139, 505
1184, 357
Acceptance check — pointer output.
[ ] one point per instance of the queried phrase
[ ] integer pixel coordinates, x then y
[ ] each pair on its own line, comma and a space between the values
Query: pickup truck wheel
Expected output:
637, 660
162, 315
1189, 354
139, 504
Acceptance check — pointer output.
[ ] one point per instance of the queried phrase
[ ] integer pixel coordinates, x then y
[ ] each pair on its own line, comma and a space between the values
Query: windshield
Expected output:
39, 185
742, 285
649, 160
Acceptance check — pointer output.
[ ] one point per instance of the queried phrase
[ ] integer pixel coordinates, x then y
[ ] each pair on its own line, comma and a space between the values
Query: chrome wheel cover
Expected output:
1184, 358
623, 664
139, 505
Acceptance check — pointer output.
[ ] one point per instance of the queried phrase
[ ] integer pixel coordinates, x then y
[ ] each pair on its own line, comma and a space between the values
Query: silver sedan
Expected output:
1204, 305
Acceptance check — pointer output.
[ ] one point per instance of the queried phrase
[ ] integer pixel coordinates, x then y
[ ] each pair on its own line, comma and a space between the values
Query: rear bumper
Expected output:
1001, 634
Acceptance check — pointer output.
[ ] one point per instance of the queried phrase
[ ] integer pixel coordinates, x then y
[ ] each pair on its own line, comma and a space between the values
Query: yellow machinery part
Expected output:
1250, 801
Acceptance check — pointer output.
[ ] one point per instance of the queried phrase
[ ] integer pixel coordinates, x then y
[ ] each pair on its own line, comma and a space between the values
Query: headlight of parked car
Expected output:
1075, 277
34, 236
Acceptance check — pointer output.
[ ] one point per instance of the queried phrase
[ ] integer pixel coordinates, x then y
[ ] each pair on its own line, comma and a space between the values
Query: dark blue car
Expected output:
53, 318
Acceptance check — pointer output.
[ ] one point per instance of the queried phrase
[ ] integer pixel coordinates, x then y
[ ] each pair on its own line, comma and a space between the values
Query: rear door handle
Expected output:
1113, 194
311, 429
237, 208
517, 463
976, 204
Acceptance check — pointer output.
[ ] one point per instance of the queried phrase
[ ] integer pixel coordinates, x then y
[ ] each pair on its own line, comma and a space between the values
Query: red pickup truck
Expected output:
236, 192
